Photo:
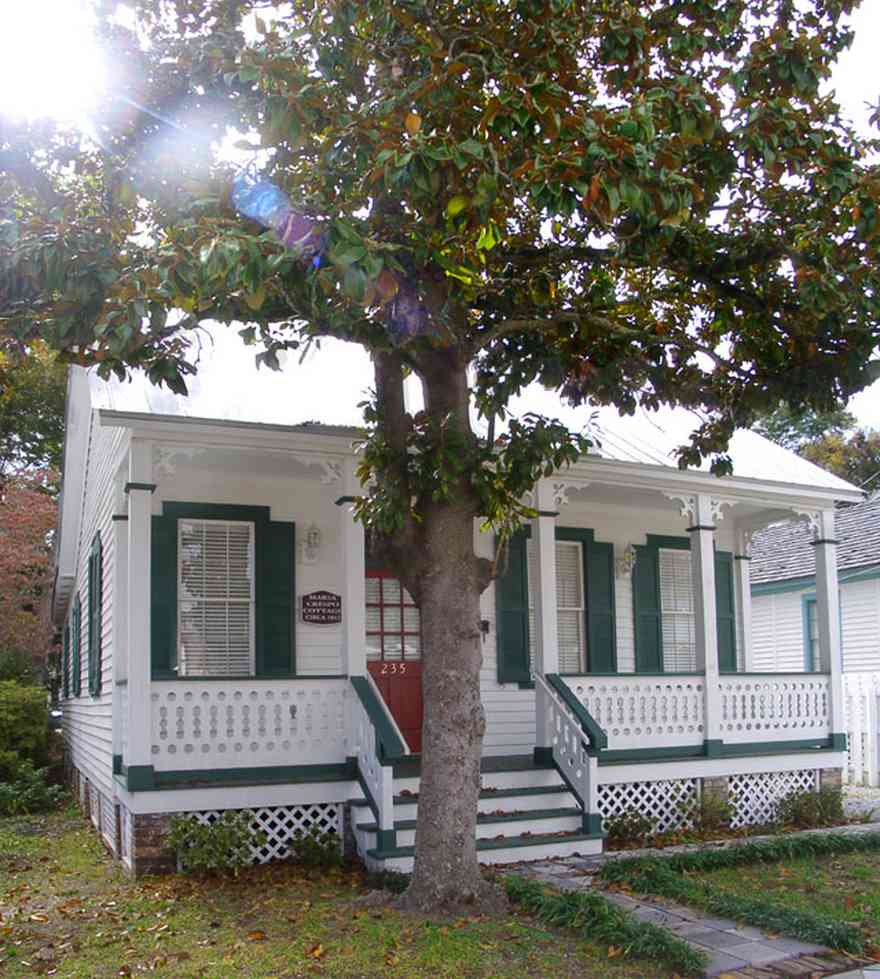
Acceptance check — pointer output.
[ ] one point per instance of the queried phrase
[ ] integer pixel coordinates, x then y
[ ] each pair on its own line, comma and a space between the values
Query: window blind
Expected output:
216, 597
677, 611
570, 611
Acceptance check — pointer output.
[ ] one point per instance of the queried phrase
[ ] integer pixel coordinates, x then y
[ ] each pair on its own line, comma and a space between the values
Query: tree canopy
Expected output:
652, 202
855, 457
795, 429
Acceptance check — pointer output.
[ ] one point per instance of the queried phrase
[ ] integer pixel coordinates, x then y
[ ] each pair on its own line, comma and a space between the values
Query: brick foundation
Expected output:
146, 851
831, 778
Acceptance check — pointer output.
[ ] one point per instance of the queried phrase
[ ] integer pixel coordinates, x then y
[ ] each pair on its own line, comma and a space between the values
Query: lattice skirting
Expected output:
281, 823
754, 797
670, 803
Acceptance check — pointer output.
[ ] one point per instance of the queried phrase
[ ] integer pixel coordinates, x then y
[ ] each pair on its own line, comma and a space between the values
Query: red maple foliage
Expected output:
27, 521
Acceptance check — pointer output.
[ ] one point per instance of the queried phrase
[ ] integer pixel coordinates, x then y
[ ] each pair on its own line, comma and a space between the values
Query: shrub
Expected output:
630, 826
28, 792
19, 666
807, 809
24, 727
316, 849
223, 846
711, 814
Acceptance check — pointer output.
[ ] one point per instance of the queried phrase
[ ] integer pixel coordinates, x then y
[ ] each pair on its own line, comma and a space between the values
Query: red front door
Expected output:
394, 652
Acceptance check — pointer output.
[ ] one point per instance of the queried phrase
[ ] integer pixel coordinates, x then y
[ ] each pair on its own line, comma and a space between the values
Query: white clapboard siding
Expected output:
778, 632
87, 719
860, 615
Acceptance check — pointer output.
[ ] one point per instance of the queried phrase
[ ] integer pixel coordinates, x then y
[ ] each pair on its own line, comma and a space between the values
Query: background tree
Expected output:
793, 429
33, 383
855, 457
633, 203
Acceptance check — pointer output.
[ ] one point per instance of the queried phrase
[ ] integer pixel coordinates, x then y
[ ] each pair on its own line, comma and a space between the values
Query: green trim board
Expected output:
597, 737
867, 573
389, 745
716, 749
65, 662
274, 586
95, 610
808, 606
75, 647
144, 778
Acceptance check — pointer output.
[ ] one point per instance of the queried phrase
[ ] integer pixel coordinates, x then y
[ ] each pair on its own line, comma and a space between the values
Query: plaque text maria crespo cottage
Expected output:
321, 608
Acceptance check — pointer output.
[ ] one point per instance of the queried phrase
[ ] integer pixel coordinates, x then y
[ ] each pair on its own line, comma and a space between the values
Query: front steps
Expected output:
525, 812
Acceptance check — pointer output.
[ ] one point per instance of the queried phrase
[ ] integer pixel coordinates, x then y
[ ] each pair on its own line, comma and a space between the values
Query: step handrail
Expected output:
390, 744
596, 736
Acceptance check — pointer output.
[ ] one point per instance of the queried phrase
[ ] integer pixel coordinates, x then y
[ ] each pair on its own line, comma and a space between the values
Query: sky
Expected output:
46, 68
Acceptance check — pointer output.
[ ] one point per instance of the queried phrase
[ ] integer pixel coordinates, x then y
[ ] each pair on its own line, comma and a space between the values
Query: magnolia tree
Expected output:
631, 203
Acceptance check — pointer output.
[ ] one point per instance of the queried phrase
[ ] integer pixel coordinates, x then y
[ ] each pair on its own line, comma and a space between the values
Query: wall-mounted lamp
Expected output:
311, 544
625, 561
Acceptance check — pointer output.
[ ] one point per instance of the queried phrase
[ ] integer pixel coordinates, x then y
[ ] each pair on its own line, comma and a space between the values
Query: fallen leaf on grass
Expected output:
39, 916
316, 952
391, 959
614, 951
849, 902
257, 935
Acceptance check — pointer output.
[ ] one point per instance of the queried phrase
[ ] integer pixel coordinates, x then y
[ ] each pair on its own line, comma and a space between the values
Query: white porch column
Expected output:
353, 563
702, 535
139, 489
828, 616
120, 620
743, 588
546, 653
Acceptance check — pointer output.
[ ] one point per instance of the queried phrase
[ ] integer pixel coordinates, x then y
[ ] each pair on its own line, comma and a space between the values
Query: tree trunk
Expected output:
446, 874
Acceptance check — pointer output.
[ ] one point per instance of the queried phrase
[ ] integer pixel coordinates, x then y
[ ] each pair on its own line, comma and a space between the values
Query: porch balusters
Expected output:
828, 616
702, 535
546, 636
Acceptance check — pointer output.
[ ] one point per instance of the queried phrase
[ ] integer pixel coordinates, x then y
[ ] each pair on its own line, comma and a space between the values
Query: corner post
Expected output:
743, 587
351, 540
544, 592
702, 535
120, 620
140, 515
828, 615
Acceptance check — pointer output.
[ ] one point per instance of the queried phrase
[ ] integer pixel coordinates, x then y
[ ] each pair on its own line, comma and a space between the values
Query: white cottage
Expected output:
229, 645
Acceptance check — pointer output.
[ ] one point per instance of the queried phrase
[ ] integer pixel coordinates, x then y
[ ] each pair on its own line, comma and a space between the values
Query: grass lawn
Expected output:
67, 909
845, 887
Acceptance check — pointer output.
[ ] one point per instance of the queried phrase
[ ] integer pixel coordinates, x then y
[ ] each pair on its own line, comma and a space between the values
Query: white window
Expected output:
215, 598
677, 611
570, 608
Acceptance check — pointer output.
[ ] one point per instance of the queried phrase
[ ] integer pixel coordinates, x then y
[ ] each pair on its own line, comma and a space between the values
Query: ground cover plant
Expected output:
68, 910
708, 880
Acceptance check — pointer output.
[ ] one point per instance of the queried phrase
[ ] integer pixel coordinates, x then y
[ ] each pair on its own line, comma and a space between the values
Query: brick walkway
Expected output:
735, 951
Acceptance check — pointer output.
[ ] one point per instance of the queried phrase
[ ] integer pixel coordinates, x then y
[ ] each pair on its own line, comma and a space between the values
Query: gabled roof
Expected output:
331, 381
784, 550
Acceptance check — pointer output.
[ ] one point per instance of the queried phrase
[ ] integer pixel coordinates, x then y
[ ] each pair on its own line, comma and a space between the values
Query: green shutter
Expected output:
601, 632
76, 645
512, 615
725, 612
65, 663
275, 598
646, 607
163, 596
96, 584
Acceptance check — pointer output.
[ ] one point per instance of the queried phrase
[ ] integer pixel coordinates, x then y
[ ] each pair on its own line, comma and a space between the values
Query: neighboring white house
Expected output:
784, 616
229, 645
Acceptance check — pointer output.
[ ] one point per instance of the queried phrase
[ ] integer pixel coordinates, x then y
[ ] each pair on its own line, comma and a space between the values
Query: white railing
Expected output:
568, 742
378, 777
644, 711
861, 704
770, 707
208, 724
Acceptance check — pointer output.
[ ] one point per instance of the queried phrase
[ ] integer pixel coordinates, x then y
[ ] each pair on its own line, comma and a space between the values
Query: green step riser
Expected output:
565, 824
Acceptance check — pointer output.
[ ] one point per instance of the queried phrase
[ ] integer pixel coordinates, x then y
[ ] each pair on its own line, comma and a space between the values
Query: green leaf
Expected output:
457, 204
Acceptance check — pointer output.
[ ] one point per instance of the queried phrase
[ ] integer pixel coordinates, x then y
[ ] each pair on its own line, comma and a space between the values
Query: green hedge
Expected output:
24, 727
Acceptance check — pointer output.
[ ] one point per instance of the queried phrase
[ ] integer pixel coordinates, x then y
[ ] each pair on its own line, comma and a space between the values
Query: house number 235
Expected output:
390, 669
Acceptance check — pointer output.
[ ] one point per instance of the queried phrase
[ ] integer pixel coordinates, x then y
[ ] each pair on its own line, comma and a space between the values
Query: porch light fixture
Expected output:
312, 544
625, 562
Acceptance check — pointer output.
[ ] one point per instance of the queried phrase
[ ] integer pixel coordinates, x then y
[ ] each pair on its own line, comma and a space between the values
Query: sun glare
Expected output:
50, 63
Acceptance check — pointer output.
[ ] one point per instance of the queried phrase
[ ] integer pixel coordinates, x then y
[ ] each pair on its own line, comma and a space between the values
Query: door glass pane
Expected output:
412, 647
391, 591
391, 619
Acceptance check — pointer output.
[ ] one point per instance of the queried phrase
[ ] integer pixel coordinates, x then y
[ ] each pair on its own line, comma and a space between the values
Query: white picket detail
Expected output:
567, 739
208, 724
774, 707
378, 778
644, 711
861, 698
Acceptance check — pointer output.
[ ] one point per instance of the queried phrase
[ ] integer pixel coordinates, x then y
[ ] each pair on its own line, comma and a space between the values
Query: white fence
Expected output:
206, 724
774, 707
861, 698
644, 711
